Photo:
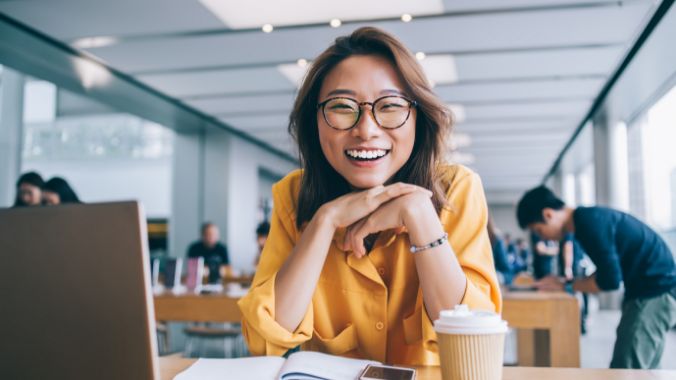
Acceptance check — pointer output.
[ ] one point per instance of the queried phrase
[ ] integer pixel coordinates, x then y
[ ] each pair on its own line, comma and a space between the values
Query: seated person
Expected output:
29, 190
262, 232
376, 234
500, 258
215, 254
57, 191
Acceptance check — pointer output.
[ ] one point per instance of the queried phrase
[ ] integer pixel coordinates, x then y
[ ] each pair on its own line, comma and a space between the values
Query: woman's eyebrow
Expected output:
341, 91
391, 91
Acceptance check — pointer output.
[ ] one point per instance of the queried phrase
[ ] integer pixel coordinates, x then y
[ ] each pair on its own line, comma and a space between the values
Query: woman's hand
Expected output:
393, 214
350, 208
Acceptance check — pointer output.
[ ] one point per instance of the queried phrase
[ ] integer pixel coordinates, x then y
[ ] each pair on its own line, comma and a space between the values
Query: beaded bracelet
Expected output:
433, 244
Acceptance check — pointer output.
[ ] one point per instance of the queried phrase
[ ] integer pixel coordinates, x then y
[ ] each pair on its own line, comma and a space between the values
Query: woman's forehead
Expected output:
362, 76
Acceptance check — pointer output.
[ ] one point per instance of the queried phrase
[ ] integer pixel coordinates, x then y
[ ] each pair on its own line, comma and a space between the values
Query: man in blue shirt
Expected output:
215, 254
624, 250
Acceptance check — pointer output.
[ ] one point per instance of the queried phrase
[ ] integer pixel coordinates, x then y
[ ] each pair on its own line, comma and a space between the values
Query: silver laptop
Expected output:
75, 295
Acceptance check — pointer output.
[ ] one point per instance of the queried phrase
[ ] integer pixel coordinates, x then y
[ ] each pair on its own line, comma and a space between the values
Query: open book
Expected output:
303, 365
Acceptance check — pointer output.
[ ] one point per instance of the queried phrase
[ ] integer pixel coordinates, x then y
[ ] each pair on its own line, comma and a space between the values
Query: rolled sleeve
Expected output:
478, 293
262, 332
465, 223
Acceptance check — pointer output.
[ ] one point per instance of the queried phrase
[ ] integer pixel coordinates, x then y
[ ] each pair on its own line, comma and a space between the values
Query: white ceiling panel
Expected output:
254, 13
475, 5
252, 123
521, 126
238, 104
219, 82
71, 19
564, 109
562, 28
580, 88
556, 63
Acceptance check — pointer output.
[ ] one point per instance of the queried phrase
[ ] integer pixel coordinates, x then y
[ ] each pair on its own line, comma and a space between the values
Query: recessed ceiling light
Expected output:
335, 23
420, 55
94, 42
267, 28
406, 17
302, 62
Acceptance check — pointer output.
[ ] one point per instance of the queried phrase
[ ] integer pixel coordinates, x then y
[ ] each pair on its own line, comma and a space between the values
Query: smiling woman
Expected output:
376, 234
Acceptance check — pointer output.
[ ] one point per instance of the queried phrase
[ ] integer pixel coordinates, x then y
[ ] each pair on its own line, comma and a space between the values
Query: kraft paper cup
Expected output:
471, 344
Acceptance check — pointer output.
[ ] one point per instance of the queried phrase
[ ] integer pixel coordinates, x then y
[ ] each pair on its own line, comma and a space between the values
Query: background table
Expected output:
548, 327
548, 323
171, 366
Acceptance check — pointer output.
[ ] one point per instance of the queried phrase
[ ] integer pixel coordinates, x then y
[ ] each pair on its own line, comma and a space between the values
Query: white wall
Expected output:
504, 218
148, 181
243, 197
216, 179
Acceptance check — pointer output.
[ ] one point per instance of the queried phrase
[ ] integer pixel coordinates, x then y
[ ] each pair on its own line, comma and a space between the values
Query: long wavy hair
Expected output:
320, 182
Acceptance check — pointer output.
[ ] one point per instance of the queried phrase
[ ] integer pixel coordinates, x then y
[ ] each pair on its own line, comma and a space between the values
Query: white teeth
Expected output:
366, 154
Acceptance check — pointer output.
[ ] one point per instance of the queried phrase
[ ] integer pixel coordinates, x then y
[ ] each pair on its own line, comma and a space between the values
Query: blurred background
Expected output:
184, 105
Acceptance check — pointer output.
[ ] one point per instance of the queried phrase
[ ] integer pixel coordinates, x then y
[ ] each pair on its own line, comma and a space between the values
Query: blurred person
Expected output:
522, 255
262, 232
215, 254
544, 254
29, 190
500, 257
57, 191
624, 250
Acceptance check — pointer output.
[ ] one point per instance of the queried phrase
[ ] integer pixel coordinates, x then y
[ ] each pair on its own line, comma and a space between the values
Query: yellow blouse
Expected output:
371, 307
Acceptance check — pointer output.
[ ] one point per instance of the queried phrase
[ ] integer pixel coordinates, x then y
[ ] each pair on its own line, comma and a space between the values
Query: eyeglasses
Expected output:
390, 112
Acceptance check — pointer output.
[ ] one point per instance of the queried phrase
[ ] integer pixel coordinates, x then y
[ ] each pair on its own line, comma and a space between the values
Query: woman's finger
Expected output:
389, 192
357, 246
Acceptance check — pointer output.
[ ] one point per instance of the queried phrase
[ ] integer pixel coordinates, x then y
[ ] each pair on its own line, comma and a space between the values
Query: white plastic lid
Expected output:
463, 321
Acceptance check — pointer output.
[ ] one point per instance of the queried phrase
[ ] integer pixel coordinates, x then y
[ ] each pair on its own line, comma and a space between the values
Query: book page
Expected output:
261, 367
315, 365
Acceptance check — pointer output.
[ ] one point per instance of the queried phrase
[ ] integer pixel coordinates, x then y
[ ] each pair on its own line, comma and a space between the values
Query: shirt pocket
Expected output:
413, 327
342, 343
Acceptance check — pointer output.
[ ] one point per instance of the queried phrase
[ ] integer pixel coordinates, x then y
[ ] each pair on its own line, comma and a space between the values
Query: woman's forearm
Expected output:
442, 279
297, 278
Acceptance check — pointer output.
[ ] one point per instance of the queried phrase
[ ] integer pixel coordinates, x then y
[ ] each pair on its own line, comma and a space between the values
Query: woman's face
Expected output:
50, 198
30, 195
365, 78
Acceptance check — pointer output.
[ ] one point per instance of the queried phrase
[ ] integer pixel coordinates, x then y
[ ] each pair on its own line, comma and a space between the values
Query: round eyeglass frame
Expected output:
411, 104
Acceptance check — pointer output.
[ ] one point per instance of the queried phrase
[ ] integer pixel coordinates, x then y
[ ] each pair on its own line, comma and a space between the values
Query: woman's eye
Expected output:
391, 106
341, 107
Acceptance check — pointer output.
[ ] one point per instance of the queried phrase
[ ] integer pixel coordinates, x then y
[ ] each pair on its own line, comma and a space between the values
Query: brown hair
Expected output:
320, 182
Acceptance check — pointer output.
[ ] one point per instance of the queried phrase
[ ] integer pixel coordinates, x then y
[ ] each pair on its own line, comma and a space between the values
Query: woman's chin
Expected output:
365, 183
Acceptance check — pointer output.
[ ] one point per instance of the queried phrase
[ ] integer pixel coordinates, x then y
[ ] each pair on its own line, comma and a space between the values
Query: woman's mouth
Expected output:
366, 154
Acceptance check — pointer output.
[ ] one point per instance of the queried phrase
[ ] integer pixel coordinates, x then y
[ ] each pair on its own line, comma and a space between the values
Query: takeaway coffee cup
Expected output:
471, 344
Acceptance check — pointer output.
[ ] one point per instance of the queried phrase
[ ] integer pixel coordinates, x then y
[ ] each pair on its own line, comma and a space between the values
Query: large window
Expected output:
105, 154
656, 135
652, 163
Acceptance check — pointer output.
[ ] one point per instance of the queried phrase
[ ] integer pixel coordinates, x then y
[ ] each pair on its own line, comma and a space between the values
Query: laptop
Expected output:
75, 293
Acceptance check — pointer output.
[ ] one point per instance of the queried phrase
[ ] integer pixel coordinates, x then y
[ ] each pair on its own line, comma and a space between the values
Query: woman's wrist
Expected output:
325, 217
422, 222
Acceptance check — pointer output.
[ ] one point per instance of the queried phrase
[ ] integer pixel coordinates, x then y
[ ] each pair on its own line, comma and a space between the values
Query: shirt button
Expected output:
381, 271
380, 326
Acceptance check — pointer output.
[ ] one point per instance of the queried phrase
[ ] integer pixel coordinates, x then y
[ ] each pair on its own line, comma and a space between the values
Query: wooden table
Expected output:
548, 327
172, 366
197, 308
548, 323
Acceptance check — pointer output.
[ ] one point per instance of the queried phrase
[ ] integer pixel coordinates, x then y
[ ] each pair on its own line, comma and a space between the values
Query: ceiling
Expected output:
520, 74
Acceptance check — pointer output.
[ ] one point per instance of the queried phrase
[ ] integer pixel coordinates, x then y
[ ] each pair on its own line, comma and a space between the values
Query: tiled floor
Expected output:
597, 346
